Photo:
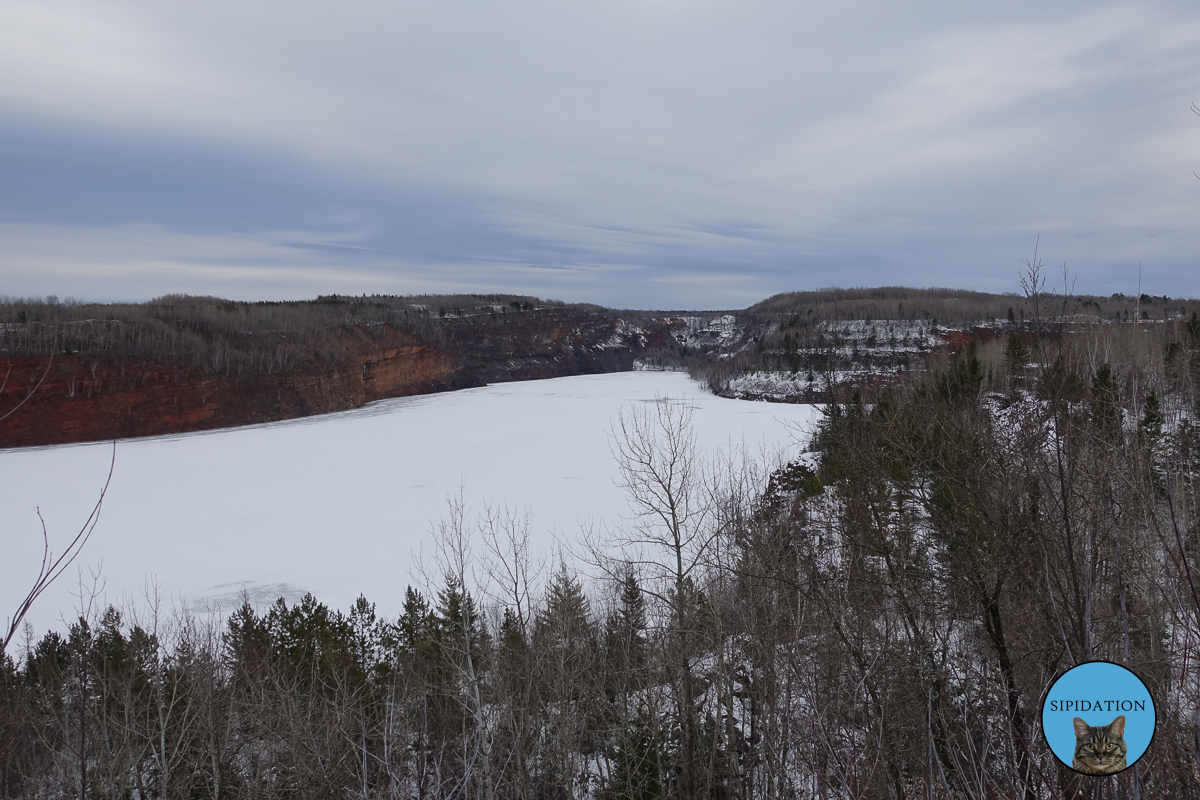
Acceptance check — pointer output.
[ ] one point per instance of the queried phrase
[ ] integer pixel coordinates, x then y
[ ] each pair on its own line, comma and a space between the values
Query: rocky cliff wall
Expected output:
552, 343
83, 398
98, 396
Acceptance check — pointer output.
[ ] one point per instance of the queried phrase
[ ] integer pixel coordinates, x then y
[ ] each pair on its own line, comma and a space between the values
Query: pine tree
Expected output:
1016, 355
247, 641
1106, 404
565, 645
566, 619
626, 634
372, 640
457, 625
637, 764
512, 638
309, 640
1151, 425
414, 629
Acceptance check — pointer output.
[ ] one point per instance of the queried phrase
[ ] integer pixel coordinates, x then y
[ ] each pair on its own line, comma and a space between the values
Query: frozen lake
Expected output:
339, 504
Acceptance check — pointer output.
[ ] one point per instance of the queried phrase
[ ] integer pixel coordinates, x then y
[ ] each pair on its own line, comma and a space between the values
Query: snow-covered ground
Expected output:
339, 504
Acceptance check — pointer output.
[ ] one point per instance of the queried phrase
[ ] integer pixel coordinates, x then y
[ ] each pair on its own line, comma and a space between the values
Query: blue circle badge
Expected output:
1098, 718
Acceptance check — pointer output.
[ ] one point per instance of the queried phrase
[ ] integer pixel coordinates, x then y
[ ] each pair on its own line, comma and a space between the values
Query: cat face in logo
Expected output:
1099, 750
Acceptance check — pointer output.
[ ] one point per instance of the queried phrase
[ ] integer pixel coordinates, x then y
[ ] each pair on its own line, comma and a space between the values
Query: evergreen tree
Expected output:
1151, 426
512, 637
565, 645
415, 628
311, 641
637, 764
458, 627
565, 621
1016, 354
372, 640
247, 642
1106, 401
626, 634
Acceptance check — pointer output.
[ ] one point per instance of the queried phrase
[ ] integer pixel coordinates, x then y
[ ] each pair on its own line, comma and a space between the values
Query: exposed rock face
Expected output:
84, 398
551, 343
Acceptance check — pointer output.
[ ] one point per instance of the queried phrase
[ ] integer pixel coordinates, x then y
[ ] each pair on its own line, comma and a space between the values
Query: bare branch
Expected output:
53, 567
32, 391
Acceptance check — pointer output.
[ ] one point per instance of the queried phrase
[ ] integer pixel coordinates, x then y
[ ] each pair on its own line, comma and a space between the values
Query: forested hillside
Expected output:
815, 346
254, 339
879, 619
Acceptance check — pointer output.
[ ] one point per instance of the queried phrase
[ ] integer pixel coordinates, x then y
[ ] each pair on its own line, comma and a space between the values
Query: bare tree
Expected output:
660, 469
514, 573
1033, 284
464, 646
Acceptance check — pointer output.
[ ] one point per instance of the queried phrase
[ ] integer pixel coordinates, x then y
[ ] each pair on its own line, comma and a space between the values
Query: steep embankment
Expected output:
552, 343
84, 398
105, 395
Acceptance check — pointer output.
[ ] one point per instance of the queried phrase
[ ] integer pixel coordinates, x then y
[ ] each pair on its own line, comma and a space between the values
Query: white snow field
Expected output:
339, 504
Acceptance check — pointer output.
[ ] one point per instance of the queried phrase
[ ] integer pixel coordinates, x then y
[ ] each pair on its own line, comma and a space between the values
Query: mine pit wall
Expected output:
86, 398
551, 344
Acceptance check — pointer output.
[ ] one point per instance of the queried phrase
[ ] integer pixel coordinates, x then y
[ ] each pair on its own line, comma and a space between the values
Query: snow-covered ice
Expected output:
339, 504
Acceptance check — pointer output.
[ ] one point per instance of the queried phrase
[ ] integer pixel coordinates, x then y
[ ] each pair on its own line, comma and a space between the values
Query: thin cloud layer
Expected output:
655, 154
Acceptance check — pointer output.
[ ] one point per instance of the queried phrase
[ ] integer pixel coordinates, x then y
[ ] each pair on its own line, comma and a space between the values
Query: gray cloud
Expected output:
664, 153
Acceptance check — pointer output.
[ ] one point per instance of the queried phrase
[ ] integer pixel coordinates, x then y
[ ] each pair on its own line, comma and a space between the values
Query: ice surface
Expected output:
338, 504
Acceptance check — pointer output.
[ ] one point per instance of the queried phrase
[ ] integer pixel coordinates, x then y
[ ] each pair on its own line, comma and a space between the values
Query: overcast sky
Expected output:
651, 154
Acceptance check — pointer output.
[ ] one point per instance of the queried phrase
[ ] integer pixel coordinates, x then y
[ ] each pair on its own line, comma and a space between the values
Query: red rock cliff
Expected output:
86, 398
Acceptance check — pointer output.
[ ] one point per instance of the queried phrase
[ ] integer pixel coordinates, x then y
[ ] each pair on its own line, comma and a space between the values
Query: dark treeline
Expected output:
879, 620
236, 339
